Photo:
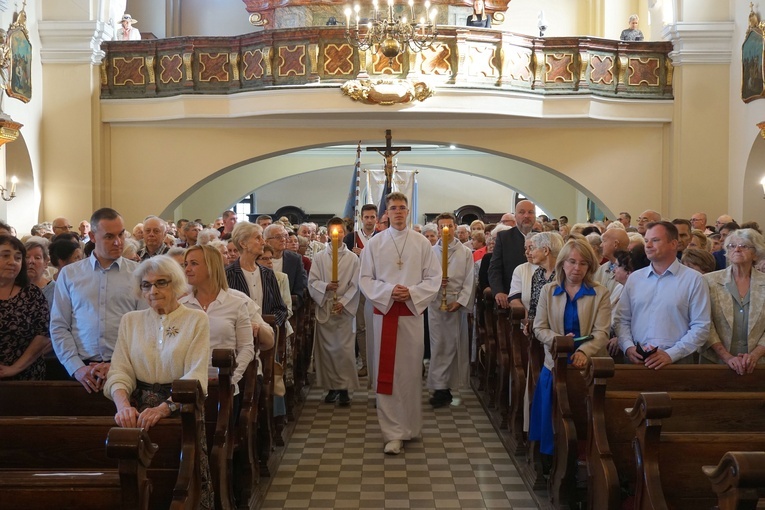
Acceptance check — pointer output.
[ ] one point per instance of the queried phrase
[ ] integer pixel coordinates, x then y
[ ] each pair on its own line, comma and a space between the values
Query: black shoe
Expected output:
345, 399
332, 396
441, 398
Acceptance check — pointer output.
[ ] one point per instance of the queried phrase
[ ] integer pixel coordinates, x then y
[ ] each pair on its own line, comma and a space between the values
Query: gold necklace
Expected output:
400, 262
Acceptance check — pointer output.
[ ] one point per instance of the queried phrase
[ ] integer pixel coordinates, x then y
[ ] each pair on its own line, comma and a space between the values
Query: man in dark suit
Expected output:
509, 252
286, 261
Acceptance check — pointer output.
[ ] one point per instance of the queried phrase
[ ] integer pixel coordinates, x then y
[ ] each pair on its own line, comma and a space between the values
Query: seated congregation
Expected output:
158, 369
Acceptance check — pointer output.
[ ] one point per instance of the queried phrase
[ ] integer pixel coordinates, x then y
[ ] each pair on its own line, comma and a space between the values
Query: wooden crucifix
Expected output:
387, 153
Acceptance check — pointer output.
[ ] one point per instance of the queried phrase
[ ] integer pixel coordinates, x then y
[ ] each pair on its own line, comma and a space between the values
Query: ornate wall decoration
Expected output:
644, 71
752, 54
213, 67
253, 66
129, 71
518, 64
338, 59
436, 60
558, 66
292, 60
602, 69
384, 91
482, 61
383, 65
170, 68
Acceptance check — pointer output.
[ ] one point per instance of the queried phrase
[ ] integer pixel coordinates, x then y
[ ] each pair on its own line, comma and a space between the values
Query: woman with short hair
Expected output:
156, 346
37, 263
737, 295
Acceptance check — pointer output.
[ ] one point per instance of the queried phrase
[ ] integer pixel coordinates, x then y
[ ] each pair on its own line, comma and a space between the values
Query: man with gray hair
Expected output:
646, 217
288, 262
154, 230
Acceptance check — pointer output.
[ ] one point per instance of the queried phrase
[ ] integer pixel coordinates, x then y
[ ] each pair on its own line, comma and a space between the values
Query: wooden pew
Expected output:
219, 427
51, 398
532, 470
738, 480
502, 379
246, 469
612, 388
490, 348
266, 400
29, 442
519, 358
43, 487
480, 318
669, 464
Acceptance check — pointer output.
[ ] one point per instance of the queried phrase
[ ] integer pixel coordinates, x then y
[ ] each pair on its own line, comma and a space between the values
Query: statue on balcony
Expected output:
479, 18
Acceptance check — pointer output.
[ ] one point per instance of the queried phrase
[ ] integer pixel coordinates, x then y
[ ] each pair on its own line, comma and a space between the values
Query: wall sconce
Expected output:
12, 195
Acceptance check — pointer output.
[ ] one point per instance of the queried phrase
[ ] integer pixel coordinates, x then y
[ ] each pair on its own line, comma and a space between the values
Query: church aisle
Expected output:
334, 459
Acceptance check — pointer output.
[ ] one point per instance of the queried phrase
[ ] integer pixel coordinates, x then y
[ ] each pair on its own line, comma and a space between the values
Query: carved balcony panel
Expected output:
460, 58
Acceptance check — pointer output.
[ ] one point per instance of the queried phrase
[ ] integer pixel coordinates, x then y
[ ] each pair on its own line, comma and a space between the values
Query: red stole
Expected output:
359, 243
388, 345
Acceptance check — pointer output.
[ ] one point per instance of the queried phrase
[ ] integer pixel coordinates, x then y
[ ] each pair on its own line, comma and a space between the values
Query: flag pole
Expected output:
357, 171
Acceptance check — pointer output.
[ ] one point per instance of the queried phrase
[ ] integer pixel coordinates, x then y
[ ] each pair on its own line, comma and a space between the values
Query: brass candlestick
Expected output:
444, 281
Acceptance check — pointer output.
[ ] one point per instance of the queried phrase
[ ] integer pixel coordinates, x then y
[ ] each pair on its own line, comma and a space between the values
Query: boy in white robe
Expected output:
334, 346
449, 341
400, 275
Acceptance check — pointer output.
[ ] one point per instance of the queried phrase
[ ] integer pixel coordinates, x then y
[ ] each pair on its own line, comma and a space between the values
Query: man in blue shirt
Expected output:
663, 315
91, 297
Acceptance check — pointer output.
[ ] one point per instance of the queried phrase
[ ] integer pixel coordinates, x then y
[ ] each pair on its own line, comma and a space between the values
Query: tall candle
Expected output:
335, 247
445, 251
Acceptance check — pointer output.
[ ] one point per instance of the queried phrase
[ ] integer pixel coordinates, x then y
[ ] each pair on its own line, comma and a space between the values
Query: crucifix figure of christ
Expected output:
387, 153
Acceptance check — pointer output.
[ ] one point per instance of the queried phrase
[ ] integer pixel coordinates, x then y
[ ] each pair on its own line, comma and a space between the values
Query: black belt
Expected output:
154, 387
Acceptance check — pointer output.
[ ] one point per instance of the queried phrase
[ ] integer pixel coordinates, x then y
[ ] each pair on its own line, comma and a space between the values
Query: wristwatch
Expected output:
174, 408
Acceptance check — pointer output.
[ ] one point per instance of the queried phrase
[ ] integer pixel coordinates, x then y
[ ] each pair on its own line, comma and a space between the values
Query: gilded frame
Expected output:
753, 61
19, 84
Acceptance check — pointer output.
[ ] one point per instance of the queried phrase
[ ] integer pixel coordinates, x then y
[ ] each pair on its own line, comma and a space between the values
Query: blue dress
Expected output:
540, 419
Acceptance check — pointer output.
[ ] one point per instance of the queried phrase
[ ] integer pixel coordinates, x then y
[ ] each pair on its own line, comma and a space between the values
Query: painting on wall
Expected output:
752, 51
19, 84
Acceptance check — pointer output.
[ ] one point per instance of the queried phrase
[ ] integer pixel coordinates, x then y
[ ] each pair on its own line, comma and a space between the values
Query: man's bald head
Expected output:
646, 217
525, 215
612, 240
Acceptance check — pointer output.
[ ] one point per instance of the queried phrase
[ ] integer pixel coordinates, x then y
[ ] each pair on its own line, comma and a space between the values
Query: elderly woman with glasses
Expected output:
156, 346
737, 335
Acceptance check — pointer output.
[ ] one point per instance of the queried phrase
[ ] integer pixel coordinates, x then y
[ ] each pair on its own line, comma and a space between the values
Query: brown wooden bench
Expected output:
612, 388
532, 470
219, 427
738, 480
488, 353
246, 469
51, 398
512, 357
42, 486
76, 443
669, 464
266, 426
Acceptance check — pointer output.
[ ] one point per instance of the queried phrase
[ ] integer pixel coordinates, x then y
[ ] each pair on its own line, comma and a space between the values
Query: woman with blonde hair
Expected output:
230, 325
573, 305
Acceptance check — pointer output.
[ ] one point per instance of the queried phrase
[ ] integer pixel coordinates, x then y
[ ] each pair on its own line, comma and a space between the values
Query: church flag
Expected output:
352, 203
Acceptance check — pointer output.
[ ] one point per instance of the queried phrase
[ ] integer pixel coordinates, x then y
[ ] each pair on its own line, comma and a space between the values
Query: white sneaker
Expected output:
393, 447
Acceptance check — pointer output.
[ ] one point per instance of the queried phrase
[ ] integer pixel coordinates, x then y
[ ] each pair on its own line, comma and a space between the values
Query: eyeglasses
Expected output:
160, 284
64, 227
282, 237
741, 247
265, 259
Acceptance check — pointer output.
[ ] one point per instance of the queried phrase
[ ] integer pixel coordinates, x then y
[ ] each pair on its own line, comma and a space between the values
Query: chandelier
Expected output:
390, 33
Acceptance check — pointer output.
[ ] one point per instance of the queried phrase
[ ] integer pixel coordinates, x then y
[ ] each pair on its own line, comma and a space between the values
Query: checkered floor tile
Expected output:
334, 459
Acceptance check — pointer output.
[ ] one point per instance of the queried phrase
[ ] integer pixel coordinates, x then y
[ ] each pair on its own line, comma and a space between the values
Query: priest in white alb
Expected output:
400, 275
337, 299
449, 341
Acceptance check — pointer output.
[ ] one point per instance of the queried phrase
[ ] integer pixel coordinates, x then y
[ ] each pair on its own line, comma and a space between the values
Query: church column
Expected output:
696, 166
73, 179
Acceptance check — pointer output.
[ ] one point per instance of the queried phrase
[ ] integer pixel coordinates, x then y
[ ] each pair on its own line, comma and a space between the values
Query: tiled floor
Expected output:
334, 459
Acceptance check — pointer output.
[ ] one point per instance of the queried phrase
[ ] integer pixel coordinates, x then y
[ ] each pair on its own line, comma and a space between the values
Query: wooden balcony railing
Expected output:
321, 57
